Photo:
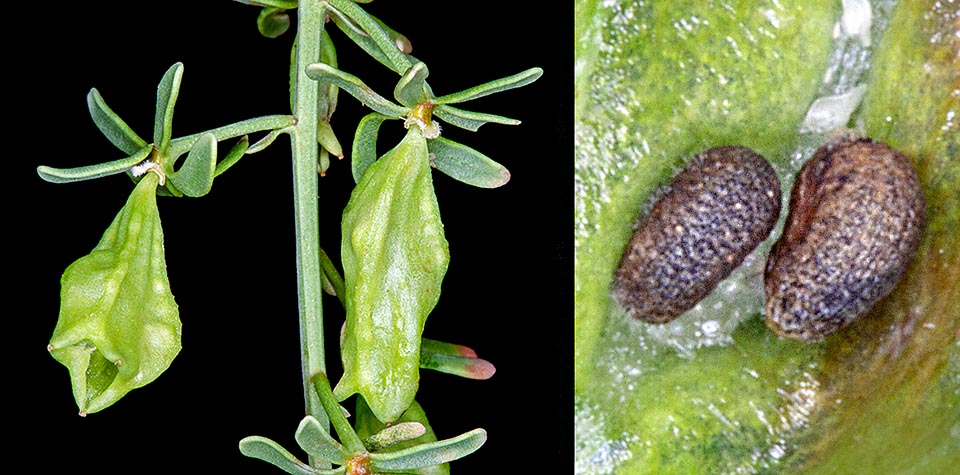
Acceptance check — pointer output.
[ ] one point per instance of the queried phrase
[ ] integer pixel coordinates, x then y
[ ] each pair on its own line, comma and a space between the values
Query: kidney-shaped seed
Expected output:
855, 221
717, 210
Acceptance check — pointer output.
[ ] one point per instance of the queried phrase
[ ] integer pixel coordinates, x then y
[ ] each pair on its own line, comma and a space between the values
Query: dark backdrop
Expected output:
230, 255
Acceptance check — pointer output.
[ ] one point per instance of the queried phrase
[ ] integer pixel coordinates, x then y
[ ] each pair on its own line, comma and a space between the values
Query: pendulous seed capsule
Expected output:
855, 221
717, 210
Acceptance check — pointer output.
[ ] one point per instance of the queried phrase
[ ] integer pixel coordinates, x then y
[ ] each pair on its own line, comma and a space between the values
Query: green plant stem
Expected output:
259, 124
305, 182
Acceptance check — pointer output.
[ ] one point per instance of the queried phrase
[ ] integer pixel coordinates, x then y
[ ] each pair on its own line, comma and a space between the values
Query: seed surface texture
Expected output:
717, 210
855, 221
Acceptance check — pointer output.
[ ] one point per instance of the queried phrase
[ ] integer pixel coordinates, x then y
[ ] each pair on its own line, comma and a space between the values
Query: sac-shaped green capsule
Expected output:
119, 326
394, 257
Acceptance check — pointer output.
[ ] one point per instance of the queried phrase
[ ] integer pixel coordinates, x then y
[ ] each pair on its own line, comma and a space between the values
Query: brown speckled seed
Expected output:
855, 220
714, 213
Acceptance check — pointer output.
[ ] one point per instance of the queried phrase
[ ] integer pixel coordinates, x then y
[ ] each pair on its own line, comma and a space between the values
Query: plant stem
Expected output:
310, 15
259, 124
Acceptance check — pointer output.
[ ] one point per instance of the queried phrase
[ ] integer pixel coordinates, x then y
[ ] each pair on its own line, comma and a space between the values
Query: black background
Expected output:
230, 254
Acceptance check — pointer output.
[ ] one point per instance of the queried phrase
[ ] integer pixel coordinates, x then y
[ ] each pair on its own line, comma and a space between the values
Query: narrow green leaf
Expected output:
285, 4
466, 164
413, 88
119, 326
336, 414
356, 88
89, 172
367, 425
195, 177
327, 139
112, 126
273, 22
327, 99
444, 348
233, 156
372, 29
181, 145
503, 84
361, 39
271, 452
465, 367
265, 141
394, 434
467, 119
167, 93
394, 258
332, 275
432, 453
317, 442
323, 161
367, 44
365, 143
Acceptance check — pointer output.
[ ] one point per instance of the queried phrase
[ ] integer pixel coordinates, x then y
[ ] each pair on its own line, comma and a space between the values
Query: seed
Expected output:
713, 214
855, 221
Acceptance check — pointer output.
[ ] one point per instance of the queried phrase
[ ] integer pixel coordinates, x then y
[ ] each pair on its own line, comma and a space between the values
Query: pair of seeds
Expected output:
855, 219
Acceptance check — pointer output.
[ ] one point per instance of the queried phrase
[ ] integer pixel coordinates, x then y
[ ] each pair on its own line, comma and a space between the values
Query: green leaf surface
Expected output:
368, 426
90, 172
167, 93
465, 164
485, 89
271, 452
429, 454
285, 4
273, 22
327, 139
412, 89
119, 326
233, 156
715, 391
112, 126
317, 442
369, 33
336, 414
365, 143
356, 88
469, 120
195, 177
394, 257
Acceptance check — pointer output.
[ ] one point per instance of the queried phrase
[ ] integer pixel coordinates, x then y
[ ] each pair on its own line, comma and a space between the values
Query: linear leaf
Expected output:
89, 172
317, 442
273, 22
356, 88
233, 156
271, 452
287, 4
113, 127
394, 434
167, 93
503, 84
465, 367
467, 119
388, 52
365, 143
413, 88
195, 177
336, 414
466, 164
432, 453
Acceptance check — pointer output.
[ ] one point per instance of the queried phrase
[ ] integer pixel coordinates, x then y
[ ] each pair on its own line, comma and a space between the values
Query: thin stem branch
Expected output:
310, 17
183, 144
